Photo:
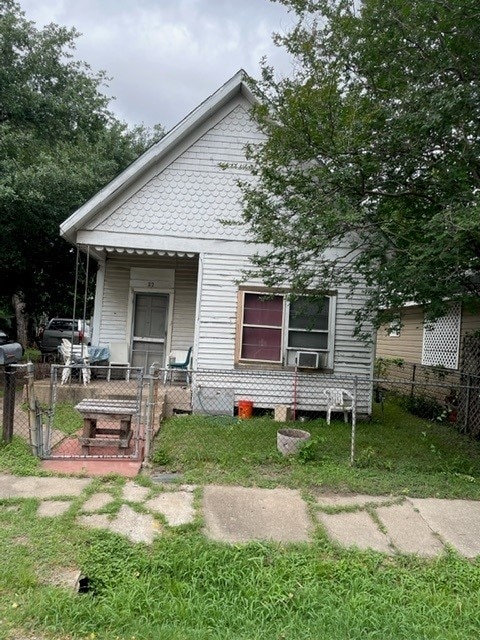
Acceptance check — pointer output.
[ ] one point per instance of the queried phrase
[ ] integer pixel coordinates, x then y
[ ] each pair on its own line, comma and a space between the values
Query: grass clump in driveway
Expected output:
395, 453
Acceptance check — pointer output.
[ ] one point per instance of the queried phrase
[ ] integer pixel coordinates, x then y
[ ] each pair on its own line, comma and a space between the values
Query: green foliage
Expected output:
67, 419
32, 355
425, 407
17, 458
185, 587
372, 145
59, 144
310, 450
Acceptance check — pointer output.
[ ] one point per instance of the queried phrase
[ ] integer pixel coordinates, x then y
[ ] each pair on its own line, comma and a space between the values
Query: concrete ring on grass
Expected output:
290, 440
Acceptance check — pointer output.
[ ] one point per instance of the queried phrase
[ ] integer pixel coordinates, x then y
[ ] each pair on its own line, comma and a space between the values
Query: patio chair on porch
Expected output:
74, 356
119, 358
178, 361
338, 400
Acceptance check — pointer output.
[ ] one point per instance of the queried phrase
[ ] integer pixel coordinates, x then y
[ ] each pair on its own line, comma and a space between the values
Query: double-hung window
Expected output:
275, 330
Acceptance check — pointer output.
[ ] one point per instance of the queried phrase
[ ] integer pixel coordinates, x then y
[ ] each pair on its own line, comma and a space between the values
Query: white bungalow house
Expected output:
169, 268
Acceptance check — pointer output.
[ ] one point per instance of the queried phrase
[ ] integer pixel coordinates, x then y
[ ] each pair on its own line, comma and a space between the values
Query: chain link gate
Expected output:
101, 419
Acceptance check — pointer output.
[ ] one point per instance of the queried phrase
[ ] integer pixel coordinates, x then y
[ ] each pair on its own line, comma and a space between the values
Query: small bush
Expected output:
425, 407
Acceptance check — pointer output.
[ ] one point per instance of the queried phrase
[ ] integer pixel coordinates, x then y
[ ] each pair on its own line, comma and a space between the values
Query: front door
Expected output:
149, 329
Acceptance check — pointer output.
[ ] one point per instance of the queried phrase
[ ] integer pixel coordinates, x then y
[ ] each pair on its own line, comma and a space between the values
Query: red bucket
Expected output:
245, 409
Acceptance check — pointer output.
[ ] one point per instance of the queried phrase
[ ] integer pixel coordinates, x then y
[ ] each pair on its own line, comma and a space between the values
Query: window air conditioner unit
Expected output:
308, 360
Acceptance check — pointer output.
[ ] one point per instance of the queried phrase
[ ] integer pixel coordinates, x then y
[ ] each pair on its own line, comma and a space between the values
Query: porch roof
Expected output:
99, 252
148, 252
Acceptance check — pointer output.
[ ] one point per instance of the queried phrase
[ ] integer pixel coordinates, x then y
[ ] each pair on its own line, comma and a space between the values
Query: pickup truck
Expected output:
59, 328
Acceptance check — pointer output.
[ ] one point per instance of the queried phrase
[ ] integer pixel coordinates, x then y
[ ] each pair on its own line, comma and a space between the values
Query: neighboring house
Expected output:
429, 343
168, 267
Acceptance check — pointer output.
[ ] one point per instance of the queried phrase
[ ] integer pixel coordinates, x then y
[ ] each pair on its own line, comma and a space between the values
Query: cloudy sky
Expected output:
166, 56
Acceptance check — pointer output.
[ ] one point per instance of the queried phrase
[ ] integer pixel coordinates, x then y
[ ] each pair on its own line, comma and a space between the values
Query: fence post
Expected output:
150, 417
33, 427
354, 421
412, 388
467, 404
8, 402
51, 410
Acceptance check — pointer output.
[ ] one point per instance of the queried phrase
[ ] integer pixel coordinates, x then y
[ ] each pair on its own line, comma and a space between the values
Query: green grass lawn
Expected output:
185, 587
394, 453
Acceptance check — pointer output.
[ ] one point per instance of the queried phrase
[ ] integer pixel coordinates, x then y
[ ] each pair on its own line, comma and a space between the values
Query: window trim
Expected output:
394, 328
283, 362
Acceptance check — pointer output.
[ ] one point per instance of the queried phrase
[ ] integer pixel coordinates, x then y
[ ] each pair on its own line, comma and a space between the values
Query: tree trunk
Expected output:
18, 303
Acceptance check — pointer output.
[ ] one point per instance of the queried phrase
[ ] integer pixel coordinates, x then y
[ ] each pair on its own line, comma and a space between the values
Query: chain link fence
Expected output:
76, 411
211, 410
192, 411
434, 393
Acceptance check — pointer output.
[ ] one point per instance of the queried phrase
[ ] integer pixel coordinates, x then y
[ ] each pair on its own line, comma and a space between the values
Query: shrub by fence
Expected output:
433, 391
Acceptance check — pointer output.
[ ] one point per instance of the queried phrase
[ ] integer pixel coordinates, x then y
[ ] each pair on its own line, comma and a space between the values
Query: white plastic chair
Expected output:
119, 358
74, 354
338, 400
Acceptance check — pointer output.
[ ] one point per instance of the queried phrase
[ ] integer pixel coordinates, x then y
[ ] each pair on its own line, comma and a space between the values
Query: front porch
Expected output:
169, 399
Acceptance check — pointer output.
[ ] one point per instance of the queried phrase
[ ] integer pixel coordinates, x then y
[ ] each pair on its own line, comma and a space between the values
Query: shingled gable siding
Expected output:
189, 193
117, 297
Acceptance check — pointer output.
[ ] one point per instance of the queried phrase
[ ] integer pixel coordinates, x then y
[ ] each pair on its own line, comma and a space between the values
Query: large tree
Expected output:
373, 144
59, 143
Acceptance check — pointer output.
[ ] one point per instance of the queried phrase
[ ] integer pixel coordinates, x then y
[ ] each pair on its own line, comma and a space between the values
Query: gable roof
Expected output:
236, 85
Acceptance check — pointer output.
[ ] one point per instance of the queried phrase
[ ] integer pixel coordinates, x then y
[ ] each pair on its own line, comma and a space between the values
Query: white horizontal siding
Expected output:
218, 311
268, 389
113, 323
117, 296
218, 316
352, 355
183, 323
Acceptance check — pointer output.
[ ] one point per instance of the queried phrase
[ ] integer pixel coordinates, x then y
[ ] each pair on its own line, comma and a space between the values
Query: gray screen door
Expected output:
149, 329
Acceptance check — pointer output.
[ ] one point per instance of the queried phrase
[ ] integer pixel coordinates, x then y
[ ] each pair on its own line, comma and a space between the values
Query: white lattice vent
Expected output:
441, 339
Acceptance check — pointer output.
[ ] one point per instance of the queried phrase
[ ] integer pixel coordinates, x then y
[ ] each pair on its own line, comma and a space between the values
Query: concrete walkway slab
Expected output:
133, 492
408, 530
137, 527
356, 529
176, 506
36, 487
97, 501
337, 500
456, 521
53, 508
241, 514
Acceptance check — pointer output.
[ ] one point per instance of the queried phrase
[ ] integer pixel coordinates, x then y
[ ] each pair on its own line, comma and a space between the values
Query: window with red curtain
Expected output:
274, 329
262, 327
